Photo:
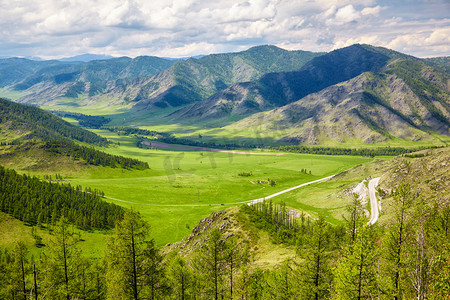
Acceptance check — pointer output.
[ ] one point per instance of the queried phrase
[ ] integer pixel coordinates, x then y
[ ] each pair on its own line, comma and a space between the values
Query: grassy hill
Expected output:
36, 139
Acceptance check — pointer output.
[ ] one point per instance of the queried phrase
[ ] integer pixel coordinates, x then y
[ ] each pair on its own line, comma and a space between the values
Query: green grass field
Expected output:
182, 187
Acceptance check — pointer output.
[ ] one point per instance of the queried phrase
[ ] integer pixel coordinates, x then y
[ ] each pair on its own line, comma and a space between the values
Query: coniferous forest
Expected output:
40, 124
92, 156
37, 202
406, 259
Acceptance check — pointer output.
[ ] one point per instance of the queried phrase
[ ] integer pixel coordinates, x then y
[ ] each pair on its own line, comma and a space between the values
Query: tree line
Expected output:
93, 156
37, 202
84, 120
170, 138
407, 258
371, 152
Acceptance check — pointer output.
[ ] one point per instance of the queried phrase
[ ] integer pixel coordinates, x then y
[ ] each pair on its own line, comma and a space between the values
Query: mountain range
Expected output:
365, 93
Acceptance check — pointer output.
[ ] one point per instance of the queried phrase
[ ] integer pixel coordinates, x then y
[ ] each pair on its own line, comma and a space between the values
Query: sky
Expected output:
183, 28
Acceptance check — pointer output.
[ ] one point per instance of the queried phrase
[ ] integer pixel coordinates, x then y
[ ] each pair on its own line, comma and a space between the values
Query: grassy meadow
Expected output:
182, 187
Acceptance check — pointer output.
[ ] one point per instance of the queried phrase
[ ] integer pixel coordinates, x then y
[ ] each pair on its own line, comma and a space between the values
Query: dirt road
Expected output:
249, 202
374, 212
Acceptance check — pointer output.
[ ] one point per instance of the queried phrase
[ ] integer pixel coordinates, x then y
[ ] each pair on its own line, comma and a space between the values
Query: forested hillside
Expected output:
26, 128
18, 121
37, 202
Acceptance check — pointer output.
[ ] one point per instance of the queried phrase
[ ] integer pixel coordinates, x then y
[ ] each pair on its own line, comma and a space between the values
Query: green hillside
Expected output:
18, 121
36, 139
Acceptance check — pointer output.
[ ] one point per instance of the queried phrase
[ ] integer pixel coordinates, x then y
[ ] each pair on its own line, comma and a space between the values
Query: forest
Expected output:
87, 121
38, 202
40, 124
371, 152
404, 259
93, 156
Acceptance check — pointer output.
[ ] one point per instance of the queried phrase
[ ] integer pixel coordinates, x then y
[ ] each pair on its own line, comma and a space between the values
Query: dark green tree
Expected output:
129, 259
210, 265
317, 275
397, 241
355, 274
61, 260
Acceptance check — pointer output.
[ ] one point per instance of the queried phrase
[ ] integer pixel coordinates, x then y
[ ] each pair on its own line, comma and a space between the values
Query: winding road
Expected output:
374, 212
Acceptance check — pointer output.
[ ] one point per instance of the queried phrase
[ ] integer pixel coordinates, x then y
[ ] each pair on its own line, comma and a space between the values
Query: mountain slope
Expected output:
278, 89
23, 122
407, 101
32, 138
41, 82
196, 79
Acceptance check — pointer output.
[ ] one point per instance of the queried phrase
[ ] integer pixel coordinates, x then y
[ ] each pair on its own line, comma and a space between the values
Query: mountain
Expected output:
145, 82
442, 63
195, 79
86, 57
45, 82
409, 101
355, 93
278, 89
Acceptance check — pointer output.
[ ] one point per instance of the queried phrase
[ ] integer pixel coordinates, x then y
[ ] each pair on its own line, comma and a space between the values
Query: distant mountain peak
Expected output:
86, 57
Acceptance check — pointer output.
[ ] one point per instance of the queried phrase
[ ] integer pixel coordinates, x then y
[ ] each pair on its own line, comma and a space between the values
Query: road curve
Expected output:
374, 212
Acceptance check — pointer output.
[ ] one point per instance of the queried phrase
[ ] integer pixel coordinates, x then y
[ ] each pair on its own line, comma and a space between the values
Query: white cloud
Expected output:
347, 14
139, 27
372, 10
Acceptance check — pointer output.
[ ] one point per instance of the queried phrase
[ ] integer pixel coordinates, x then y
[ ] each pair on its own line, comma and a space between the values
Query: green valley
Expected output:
260, 174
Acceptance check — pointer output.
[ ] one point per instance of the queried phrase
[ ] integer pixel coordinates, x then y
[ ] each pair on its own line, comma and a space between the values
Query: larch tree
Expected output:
128, 258
355, 274
61, 262
317, 275
399, 235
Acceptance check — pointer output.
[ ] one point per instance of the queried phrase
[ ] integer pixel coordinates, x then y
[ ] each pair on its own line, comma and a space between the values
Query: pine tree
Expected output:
317, 276
180, 278
129, 258
235, 256
210, 265
61, 260
396, 244
355, 274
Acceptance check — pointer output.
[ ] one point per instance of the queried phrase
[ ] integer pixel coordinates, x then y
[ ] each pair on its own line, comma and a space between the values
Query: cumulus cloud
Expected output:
372, 10
53, 28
